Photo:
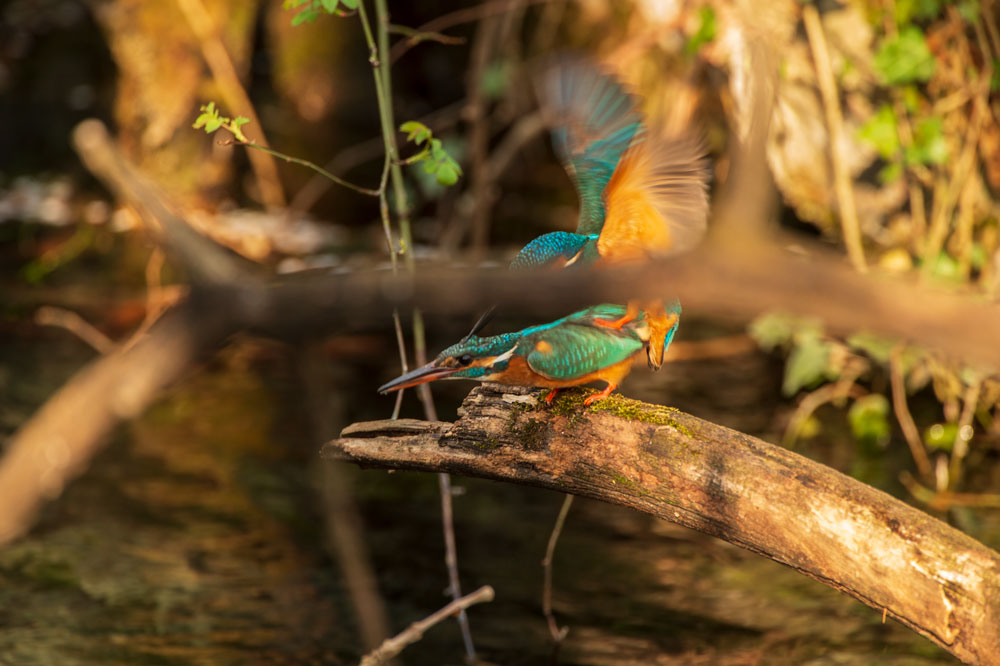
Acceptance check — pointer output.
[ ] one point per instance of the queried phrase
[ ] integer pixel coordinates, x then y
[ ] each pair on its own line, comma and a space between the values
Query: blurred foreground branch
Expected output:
892, 557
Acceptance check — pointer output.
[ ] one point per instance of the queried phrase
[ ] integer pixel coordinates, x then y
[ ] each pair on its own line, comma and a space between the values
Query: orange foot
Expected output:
551, 396
594, 397
630, 314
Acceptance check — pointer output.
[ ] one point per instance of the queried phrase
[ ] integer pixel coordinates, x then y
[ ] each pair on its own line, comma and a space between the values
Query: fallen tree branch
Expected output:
57, 443
898, 560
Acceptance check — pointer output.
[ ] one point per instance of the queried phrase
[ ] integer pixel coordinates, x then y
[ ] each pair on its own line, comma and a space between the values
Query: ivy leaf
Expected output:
904, 58
929, 146
876, 347
807, 365
890, 173
880, 132
869, 418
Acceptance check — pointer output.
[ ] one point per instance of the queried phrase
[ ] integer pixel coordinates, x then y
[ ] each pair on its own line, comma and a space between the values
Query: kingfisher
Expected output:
642, 193
571, 351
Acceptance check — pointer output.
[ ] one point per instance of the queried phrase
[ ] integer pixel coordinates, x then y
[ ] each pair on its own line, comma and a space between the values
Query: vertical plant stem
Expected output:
378, 56
558, 634
835, 130
909, 428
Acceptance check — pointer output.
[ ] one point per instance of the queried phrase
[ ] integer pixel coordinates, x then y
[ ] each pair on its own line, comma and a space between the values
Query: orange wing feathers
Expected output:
656, 200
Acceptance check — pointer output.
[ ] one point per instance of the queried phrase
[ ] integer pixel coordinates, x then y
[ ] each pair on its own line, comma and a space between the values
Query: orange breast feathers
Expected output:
518, 372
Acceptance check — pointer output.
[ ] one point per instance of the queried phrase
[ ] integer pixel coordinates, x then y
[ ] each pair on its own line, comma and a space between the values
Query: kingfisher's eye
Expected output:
465, 359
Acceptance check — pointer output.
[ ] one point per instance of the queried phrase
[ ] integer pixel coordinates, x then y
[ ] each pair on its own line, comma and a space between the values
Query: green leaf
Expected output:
329, 5
447, 174
240, 121
876, 347
807, 365
941, 436
890, 173
880, 131
707, 28
350, 4
869, 418
307, 15
213, 124
929, 146
945, 267
416, 132
776, 329
904, 58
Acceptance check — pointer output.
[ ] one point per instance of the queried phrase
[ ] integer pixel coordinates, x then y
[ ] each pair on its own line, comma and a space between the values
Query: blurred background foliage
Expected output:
916, 84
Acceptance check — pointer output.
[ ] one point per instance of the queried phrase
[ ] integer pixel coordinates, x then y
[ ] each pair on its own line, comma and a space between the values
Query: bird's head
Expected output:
471, 357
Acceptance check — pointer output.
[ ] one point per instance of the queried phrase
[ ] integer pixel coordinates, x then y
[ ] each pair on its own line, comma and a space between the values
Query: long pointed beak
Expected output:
422, 375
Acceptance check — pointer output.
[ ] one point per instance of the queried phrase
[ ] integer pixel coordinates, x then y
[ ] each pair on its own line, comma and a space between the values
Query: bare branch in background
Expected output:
896, 559
415, 631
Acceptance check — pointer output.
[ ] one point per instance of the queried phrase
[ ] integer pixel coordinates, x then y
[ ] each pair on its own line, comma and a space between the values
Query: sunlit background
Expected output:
206, 532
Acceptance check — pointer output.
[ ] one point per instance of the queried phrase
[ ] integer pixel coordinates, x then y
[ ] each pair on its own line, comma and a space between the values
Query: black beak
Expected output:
427, 373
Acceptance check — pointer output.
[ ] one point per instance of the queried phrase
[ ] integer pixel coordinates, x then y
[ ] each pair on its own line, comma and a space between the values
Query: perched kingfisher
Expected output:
642, 193
571, 351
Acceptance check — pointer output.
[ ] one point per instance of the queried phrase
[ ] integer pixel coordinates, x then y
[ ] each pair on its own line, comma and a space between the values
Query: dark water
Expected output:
197, 537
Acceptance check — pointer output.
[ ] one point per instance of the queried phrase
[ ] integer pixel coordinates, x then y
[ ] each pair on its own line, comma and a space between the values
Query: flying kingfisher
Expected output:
571, 351
642, 193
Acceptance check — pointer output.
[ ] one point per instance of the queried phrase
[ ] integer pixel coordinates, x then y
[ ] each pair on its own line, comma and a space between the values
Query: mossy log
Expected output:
893, 557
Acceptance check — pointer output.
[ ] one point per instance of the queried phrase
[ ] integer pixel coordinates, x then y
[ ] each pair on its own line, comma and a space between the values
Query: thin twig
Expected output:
812, 401
306, 163
75, 324
414, 36
558, 634
909, 428
965, 430
946, 499
458, 17
415, 631
835, 129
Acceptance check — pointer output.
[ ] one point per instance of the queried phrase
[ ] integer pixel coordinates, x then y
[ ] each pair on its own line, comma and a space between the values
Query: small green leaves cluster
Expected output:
210, 120
903, 62
707, 29
434, 158
810, 358
904, 58
869, 419
307, 11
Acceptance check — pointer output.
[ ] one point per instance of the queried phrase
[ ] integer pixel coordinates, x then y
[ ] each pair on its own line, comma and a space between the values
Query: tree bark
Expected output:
929, 576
